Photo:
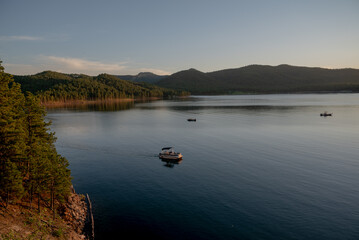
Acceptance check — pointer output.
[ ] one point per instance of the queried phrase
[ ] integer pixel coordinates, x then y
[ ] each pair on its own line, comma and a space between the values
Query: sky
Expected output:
165, 36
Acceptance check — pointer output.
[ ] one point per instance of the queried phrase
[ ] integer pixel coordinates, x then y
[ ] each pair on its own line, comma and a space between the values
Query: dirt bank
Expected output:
19, 221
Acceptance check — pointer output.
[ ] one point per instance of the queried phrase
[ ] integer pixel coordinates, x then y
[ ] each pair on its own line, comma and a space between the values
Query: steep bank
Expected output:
19, 221
36, 197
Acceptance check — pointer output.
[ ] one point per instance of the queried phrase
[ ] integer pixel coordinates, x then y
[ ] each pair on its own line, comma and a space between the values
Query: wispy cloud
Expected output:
77, 65
85, 66
20, 38
155, 71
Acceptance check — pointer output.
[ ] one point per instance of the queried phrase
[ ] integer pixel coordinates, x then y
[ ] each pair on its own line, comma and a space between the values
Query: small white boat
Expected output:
169, 154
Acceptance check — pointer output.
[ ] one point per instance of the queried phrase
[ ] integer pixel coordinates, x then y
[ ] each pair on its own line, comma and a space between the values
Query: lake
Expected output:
254, 166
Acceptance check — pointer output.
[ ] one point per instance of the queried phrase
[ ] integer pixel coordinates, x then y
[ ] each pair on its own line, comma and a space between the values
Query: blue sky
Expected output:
166, 36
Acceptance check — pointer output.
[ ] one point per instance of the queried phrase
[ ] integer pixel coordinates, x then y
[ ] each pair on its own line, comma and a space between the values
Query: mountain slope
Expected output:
189, 80
265, 79
146, 77
54, 86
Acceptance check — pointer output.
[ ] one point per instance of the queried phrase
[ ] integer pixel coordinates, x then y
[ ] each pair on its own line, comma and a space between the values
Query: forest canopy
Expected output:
30, 166
263, 79
53, 86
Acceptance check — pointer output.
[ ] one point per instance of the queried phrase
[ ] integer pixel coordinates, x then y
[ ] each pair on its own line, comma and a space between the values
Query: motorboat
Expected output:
168, 153
191, 119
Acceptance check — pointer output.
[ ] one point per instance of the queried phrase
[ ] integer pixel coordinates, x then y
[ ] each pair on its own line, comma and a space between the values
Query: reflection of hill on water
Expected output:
95, 106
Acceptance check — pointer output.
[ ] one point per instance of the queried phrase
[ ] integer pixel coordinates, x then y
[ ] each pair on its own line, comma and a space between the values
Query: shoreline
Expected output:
55, 104
85, 102
273, 93
70, 103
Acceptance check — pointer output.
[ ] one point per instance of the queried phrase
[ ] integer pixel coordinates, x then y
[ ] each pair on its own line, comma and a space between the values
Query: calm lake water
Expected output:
254, 166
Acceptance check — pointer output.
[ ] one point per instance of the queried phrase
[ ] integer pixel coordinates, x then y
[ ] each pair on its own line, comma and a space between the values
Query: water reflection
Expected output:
171, 163
95, 106
231, 109
186, 104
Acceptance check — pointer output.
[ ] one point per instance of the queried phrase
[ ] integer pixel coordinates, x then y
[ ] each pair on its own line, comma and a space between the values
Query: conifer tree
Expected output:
12, 136
29, 162
37, 141
46, 169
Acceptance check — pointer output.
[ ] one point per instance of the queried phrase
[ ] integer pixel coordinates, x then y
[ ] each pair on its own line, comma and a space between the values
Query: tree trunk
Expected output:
31, 197
53, 207
53, 203
7, 198
38, 202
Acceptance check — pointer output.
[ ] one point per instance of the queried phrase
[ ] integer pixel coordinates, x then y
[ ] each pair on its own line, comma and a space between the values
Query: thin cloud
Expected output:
155, 71
85, 66
77, 65
20, 38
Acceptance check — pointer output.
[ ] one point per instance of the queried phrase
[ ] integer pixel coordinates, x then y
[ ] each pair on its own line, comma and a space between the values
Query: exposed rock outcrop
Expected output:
74, 212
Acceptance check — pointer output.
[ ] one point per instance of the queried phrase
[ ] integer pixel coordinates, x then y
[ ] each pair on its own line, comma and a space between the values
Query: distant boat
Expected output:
326, 114
191, 119
168, 153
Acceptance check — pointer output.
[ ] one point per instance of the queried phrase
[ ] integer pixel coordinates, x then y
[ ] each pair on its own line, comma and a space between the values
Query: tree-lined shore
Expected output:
33, 176
55, 87
52, 87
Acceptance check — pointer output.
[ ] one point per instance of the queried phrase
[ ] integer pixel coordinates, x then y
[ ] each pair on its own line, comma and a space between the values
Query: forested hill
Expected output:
147, 77
264, 79
54, 86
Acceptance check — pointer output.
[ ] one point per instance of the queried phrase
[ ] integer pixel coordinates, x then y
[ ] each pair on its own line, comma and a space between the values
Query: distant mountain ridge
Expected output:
264, 79
251, 79
193, 80
147, 77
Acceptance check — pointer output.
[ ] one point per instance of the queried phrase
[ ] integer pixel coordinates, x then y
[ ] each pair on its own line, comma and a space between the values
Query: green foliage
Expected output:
12, 235
41, 226
29, 163
12, 135
58, 232
53, 86
264, 79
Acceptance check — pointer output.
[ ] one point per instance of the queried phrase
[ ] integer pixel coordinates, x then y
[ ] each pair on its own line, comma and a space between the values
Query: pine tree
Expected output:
46, 169
10, 180
59, 180
12, 136
29, 162
36, 131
